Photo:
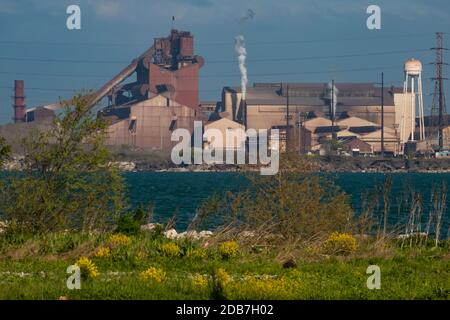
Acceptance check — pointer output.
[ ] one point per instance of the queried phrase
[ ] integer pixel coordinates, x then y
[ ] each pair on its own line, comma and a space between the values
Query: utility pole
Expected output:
333, 136
287, 116
300, 135
382, 114
438, 107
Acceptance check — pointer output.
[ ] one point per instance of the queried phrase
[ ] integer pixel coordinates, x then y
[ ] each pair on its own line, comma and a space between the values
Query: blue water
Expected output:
181, 193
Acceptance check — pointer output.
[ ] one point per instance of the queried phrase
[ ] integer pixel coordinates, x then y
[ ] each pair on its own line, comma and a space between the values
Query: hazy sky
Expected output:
287, 40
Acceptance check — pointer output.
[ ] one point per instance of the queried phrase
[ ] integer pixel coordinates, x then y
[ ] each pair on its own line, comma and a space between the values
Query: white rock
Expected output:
148, 227
182, 235
205, 234
3, 226
192, 234
124, 165
171, 234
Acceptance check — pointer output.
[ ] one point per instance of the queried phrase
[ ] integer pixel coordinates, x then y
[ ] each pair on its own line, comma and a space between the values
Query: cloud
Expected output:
108, 9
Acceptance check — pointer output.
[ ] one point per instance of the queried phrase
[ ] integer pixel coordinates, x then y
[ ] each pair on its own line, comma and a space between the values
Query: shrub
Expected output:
292, 206
220, 280
68, 181
229, 249
103, 252
222, 277
5, 150
130, 225
340, 244
119, 240
257, 288
200, 281
196, 253
170, 249
158, 232
153, 274
87, 268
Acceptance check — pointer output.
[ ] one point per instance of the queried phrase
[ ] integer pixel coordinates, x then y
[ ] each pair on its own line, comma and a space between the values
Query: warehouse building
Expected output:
307, 105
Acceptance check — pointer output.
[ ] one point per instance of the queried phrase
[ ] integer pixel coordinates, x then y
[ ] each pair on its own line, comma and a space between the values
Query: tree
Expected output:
5, 150
69, 181
296, 204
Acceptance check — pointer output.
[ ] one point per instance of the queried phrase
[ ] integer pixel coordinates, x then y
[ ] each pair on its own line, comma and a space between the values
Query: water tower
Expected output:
411, 95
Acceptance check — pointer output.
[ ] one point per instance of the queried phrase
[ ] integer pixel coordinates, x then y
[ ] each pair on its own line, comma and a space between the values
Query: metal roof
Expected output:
314, 94
365, 129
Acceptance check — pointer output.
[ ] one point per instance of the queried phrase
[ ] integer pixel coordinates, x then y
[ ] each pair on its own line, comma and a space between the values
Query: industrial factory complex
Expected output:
362, 118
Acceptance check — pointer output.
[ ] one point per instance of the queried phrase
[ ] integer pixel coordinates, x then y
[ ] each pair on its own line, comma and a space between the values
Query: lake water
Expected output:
183, 192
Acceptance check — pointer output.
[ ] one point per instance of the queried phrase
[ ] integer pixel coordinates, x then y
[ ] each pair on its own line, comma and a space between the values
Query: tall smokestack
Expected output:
241, 52
332, 96
19, 101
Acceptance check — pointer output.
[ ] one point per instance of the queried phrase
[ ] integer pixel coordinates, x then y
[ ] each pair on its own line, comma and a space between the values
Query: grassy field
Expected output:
151, 267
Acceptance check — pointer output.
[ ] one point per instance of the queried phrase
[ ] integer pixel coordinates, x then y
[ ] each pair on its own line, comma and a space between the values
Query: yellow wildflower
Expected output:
103, 252
229, 249
222, 277
196, 253
119, 240
200, 281
340, 243
263, 288
87, 267
154, 274
170, 249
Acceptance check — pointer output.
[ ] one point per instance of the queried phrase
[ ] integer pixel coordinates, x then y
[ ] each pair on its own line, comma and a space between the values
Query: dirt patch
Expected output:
30, 248
86, 249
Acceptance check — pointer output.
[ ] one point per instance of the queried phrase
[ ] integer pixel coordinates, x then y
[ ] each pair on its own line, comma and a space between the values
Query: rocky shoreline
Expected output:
325, 164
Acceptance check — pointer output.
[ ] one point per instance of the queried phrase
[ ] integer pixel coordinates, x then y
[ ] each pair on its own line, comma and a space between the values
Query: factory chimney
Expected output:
19, 101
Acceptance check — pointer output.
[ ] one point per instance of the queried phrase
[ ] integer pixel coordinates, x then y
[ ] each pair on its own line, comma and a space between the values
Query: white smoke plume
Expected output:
332, 96
241, 52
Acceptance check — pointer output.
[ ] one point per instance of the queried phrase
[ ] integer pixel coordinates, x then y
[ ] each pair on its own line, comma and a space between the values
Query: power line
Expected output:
353, 55
223, 43
237, 75
218, 75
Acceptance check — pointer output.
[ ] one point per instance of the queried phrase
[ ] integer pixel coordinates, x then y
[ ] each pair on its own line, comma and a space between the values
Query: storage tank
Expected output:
413, 67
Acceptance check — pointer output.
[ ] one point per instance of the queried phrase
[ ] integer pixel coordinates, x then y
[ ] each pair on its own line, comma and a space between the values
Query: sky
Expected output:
286, 41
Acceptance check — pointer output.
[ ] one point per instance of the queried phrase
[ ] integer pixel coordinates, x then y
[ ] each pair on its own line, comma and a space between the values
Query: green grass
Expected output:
413, 273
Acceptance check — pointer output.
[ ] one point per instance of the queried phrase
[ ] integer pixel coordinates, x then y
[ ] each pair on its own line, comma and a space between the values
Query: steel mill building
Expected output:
304, 108
164, 96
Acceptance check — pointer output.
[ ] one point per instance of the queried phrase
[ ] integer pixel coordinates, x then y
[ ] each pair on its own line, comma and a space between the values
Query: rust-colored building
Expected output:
169, 66
164, 97
149, 124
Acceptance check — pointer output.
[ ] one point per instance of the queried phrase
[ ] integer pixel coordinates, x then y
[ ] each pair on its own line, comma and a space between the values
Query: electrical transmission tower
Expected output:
438, 108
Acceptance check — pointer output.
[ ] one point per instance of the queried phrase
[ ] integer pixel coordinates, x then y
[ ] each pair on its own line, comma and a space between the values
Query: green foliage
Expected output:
295, 204
5, 150
229, 249
40, 272
131, 225
340, 244
69, 181
158, 232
